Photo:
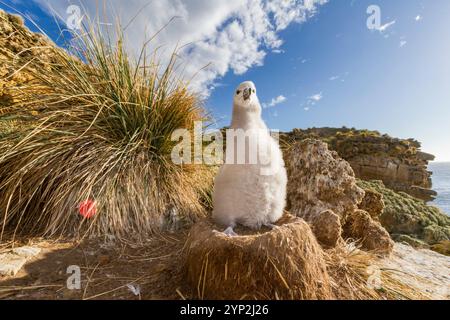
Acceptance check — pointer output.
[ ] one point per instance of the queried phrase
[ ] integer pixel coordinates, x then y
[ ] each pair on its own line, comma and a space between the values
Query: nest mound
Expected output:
284, 263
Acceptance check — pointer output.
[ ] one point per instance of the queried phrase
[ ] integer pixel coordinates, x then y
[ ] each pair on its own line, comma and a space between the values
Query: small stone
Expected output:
10, 264
327, 228
27, 251
103, 260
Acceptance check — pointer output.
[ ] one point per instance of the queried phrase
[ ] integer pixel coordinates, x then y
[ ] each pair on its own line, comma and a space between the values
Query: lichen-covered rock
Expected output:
322, 189
406, 215
368, 232
20, 50
399, 163
10, 264
372, 203
327, 228
13, 260
319, 180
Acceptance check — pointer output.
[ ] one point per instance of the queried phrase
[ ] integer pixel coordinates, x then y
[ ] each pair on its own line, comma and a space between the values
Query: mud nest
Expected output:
284, 263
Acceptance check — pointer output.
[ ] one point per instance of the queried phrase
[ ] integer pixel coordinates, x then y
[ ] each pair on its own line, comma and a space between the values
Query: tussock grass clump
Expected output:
96, 126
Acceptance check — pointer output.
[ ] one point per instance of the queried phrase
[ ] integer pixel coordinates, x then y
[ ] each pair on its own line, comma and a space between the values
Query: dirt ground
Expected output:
113, 269
109, 269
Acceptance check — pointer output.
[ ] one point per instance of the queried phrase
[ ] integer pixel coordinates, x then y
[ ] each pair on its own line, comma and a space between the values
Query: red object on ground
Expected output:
87, 209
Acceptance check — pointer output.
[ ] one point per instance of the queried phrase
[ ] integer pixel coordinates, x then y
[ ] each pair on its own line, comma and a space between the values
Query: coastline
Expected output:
441, 184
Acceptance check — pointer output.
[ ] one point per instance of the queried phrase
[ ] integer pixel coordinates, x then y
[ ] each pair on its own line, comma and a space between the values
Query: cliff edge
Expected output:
399, 163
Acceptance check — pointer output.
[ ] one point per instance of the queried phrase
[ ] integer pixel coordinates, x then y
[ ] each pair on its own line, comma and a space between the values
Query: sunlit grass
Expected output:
98, 126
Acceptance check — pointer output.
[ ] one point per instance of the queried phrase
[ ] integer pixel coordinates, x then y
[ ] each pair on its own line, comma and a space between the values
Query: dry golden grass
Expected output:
159, 267
285, 263
100, 130
351, 270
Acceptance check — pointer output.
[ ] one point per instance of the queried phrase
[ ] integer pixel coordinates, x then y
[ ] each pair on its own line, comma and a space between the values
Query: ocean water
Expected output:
441, 184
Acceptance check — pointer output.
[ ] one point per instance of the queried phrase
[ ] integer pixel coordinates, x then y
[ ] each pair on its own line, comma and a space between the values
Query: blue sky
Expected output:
331, 70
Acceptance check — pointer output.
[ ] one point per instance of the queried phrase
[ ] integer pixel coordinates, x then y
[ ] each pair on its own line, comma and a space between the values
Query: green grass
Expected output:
406, 215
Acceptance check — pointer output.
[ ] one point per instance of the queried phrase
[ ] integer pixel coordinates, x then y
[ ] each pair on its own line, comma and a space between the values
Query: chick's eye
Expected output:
254, 90
239, 91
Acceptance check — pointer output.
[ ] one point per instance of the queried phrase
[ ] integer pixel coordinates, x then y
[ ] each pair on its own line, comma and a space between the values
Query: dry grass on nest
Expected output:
101, 130
286, 263
351, 270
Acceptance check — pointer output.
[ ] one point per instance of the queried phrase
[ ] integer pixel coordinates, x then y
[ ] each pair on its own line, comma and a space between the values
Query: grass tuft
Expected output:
96, 124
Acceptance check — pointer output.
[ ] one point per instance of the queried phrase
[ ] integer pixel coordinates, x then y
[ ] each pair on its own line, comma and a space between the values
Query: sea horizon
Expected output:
441, 184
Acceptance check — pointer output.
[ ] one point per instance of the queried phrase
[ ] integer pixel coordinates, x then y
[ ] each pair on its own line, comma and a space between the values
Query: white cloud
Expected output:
224, 35
312, 101
275, 101
286, 12
403, 43
316, 97
278, 51
339, 77
418, 18
384, 27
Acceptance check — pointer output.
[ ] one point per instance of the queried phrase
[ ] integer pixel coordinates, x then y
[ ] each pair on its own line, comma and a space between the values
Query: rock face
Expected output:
20, 49
320, 180
371, 234
424, 271
407, 218
372, 203
322, 189
398, 163
327, 227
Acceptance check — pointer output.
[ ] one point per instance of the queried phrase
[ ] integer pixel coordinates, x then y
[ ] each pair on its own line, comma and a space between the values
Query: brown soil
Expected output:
107, 268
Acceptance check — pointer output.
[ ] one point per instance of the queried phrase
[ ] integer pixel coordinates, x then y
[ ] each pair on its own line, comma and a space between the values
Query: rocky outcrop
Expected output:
20, 49
408, 219
322, 189
327, 227
22, 52
370, 233
320, 180
372, 203
399, 163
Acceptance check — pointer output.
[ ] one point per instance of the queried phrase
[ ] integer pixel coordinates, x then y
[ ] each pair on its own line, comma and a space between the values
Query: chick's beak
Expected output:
247, 93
